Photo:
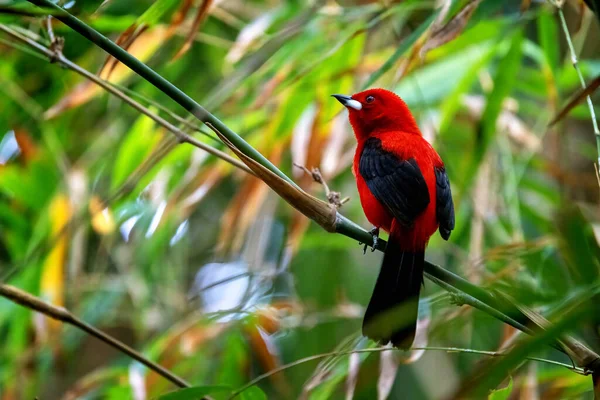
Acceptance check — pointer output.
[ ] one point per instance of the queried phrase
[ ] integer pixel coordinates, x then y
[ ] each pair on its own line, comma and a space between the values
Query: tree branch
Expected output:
58, 313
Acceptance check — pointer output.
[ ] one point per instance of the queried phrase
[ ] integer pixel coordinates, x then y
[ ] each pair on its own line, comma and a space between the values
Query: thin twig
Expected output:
57, 56
61, 314
166, 110
333, 197
382, 349
575, 62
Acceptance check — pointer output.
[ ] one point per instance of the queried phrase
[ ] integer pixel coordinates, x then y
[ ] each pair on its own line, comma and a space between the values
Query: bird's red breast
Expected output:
405, 146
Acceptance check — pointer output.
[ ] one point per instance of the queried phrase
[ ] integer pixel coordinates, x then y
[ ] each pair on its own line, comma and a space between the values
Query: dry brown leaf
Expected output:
181, 13
451, 29
198, 19
577, 98
318, 210
27, 146
266, 352
308, 141
240, 212
181, 344
333, 161
125, 40
578, 17
525, 4
421, 340
529, 387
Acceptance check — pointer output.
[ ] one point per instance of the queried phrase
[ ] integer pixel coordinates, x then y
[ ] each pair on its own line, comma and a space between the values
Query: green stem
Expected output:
260, 378
159, 82
575, 62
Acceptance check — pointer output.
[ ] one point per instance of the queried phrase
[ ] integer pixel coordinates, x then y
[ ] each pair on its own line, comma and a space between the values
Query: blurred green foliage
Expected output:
205, 271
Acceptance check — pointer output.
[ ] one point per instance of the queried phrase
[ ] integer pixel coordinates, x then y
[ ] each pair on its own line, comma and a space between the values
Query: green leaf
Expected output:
504, 81
133, 150
194, 393
453, 102
253, 393
504, 393
435, 82
548, 34
156, 11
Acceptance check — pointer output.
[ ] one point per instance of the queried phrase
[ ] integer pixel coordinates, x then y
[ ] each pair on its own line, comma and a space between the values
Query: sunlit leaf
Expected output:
103, 220
134, 149
503, 393
52, 281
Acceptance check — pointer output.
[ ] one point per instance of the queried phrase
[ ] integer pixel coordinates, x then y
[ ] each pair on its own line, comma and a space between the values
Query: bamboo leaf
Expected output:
504, 393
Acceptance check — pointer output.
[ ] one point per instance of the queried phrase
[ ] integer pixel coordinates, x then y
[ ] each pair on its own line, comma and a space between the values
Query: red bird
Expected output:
404, 190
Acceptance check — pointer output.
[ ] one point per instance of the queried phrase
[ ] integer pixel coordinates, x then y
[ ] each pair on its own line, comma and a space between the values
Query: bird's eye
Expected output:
370, 99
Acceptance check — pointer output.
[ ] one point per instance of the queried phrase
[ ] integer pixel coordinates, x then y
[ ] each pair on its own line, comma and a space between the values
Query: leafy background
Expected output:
203, 269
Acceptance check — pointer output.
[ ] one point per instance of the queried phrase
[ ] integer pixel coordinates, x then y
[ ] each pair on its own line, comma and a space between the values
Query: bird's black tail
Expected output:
393, 310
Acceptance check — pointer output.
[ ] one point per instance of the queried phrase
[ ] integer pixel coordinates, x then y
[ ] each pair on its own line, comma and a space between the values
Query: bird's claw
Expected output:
375, 233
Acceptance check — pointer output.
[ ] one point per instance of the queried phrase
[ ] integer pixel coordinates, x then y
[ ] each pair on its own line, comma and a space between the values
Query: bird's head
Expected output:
377, 110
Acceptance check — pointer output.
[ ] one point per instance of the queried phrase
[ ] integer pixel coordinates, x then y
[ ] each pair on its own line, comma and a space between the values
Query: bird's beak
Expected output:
348, 101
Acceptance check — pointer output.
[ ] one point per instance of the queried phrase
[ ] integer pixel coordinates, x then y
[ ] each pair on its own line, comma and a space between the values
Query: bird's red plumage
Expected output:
404, 190
391, 121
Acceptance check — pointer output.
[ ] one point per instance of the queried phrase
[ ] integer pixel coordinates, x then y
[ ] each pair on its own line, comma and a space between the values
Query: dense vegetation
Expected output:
191, 260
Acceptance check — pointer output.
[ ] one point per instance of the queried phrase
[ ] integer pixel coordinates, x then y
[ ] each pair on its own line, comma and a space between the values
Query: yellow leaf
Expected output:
103, 220
52, 278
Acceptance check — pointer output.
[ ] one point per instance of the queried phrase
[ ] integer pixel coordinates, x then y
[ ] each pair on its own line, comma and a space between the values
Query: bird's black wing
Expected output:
397, 184
444, 204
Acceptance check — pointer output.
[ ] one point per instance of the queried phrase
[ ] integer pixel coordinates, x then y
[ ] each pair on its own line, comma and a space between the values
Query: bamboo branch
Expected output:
56, 56
58, 313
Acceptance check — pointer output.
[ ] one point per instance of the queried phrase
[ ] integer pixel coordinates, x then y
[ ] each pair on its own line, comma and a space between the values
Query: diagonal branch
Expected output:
58, 313
56, 56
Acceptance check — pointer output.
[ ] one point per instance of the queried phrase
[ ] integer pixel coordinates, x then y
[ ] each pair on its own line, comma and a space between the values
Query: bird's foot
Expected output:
375, 233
